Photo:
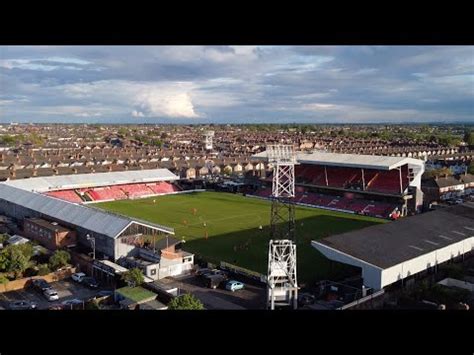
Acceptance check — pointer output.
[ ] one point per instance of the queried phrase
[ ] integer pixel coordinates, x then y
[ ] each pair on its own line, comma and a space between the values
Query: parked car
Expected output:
214, 281
40, 285
233, 285
73, 304
22, 305
78, 276
51, 295
305, 299
90, 282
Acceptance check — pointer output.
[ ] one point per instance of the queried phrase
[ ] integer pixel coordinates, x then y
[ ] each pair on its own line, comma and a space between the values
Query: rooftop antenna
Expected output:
282, 287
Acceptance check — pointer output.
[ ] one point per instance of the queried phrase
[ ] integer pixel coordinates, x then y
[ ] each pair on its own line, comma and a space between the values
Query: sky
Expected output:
236, 84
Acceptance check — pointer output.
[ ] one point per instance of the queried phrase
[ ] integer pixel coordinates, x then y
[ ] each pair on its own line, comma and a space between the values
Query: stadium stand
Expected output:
354, 205
163, 188
136, 190
115, 192
106, 193
68, 195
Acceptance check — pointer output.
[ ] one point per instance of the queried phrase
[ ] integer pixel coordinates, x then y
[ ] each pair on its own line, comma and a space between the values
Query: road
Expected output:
251, 297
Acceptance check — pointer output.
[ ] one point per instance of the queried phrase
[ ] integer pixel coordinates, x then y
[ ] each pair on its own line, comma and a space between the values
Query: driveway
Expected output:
251, 297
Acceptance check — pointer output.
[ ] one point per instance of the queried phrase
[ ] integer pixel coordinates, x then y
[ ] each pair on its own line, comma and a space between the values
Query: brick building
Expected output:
49, 234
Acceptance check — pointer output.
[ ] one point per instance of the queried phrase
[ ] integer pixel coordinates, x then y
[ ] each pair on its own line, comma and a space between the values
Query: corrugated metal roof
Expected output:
350, 160
50, 183
92, 219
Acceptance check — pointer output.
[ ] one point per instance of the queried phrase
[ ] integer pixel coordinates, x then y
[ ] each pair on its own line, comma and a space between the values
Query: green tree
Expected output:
3, 279
17, 262
59, 259
133, 277
470, 169
469, 137
43, 269
185, 302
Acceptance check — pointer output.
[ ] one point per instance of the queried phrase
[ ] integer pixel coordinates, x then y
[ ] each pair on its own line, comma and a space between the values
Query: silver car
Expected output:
51, 295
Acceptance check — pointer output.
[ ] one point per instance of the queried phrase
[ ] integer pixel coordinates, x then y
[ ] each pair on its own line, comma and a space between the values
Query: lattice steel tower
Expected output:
282, 286
208, 136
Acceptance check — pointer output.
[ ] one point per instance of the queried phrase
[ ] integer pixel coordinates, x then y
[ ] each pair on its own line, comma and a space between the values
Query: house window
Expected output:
153, 272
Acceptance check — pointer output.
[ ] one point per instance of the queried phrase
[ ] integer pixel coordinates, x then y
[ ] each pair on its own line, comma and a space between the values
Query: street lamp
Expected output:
92, 240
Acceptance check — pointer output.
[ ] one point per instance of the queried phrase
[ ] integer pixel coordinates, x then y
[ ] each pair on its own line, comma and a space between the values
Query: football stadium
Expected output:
335, 194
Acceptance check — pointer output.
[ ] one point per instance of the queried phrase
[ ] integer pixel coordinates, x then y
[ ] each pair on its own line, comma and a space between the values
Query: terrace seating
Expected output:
136, 190
388, 182
106, 193
340, 177
67, 195
370, 208
162, 187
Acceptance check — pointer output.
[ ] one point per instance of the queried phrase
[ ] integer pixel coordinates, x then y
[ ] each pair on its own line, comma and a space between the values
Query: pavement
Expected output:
67, 289
251, 297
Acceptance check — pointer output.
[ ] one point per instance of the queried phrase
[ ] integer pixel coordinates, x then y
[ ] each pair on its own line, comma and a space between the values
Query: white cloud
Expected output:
318, 106
136, 113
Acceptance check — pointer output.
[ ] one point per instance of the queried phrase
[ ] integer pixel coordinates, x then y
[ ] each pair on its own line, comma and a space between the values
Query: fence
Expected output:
52, 277
359, 302
242, 271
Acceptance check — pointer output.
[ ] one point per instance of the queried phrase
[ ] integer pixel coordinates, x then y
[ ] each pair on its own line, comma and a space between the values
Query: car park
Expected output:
78, 276
22, 305
51, 295
233, 285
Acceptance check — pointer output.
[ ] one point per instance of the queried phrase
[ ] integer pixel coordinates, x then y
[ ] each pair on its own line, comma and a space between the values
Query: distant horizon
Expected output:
245, 124
237, 84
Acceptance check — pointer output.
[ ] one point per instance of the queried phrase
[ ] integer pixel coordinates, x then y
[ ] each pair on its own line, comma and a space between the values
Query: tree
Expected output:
469, 137
470, 169
18, 262
185, 302
59, 259
43, 269
3, 279
133, 277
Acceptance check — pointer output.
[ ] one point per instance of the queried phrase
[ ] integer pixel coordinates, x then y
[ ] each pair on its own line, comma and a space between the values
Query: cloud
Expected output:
236, 83
136, 113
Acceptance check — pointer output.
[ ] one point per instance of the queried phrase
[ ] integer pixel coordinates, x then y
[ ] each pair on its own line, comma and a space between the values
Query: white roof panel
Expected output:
350, 160
58, 182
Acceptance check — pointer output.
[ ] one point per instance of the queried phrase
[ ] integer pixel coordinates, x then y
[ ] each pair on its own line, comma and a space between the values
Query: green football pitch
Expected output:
226, 227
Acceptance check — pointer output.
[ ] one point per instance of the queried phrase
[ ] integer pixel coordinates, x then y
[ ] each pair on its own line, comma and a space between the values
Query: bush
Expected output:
59, 259
133, 277
3, 279
185, 302
43, 269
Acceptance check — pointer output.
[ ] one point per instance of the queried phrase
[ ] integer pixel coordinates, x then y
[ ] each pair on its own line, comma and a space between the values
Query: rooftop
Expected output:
137, 294
350, 160
48, 225
389, 244
96, 220
50, 183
